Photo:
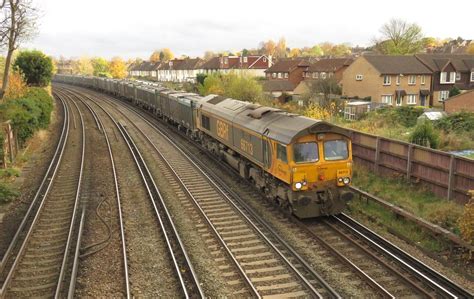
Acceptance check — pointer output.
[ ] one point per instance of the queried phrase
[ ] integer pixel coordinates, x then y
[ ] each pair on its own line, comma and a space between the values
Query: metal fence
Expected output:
446, 175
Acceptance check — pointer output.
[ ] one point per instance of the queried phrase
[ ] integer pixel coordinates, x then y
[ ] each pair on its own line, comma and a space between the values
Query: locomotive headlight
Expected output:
340, 180
298, 185
346, 180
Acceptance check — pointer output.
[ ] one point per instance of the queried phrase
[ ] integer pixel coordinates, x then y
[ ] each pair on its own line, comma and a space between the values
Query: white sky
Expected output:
135, 28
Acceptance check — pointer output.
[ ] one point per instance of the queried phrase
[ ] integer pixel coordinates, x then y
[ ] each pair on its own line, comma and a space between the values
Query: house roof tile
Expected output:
397, 64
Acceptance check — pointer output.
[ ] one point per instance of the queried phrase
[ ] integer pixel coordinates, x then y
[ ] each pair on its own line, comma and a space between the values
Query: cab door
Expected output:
281, 168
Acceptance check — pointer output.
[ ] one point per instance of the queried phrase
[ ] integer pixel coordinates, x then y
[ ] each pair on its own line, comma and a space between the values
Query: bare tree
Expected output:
400, 38
17, 25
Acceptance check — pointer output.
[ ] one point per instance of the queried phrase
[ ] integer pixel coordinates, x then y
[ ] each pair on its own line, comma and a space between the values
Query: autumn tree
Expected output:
321, 91
155, 56
280, 49
340, 50
314, 51
166, 54
17, 25
117, 68
209, 54
295, 52
100, 67
268, 47
83, 66
470, 48
400, 38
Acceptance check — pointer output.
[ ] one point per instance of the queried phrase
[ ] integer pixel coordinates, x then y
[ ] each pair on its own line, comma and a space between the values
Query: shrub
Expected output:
35, 66
457, 122
466, 222
425, 135
6, 193
29, 113
454, 91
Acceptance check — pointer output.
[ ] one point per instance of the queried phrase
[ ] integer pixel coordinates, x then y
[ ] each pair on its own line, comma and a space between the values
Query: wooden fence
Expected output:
10, 146
446, 175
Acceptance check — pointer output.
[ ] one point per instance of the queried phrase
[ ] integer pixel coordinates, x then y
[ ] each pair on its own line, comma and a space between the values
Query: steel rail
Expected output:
146, 176
64, 139
137, 155
422, 271
53, 163
119, 205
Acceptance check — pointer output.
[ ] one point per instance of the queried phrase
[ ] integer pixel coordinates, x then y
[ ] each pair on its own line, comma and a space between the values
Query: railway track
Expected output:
268, 265
183, 269
38, 255
85, 251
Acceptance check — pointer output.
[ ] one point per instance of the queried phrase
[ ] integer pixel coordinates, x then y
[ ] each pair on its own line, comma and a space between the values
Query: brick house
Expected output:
188, 70
449, 70
327, 68
391, 80
284, 76
461, 102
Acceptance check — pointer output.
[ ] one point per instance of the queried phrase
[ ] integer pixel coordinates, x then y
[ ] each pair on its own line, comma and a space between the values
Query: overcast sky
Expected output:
135, 28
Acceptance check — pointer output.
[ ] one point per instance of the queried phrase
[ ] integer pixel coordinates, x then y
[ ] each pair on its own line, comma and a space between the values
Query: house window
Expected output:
323, 75
458, 76
286, 75
412, 80
226, 60
274, 75
330, 75
447, 78
245, 59
472, 76
398, 80
279, 75
422, 80
315, 75
387, 80
387, 99
443, 95
281, 153
359, 77
264, 59
411, 99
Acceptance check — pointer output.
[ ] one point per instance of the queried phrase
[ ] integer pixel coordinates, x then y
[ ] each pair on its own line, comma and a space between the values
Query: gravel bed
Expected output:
150, 268
101, 273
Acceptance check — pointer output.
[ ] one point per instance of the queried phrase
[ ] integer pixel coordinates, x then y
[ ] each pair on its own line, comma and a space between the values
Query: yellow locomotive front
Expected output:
318, 167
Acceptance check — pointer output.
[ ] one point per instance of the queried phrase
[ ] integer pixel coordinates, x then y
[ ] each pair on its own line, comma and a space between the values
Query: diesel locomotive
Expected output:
304, 164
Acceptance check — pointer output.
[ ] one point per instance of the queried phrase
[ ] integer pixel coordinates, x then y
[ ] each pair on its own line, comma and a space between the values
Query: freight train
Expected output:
304, 164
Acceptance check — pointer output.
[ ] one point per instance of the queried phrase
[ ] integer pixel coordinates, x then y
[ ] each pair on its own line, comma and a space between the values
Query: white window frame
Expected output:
315, 75
359, 77
443, 77
246, 59
389, 97
279, 76
286, 75
472, 76
398, 80
274, 75
422, 79
443, 95
458, 76
387, 82
323, 75
411, 99
412, 80
264, 59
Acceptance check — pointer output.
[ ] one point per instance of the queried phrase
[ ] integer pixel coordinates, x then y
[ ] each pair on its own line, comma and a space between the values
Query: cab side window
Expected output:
281, 153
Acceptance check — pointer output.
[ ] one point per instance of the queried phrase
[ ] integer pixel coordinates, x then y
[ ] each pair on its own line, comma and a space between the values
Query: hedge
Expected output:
29, 113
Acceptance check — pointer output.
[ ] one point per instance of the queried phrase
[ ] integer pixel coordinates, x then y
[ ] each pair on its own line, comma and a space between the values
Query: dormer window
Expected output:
264, 59
447, 78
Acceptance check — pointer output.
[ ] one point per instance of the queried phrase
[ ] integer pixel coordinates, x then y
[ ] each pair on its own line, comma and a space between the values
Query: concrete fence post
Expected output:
452, 166
409, 157
377, 154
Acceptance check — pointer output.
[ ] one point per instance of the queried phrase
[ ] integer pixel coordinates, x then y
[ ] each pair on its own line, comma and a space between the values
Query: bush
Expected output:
466, 222
457, 122
6, 193
454, 91
239, 87
35, 66
29, 113
425, 135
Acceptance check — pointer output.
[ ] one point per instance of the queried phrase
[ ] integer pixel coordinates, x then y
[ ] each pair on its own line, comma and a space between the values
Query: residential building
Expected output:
461, 102
64, 66
167, 70
391, 80
188, 70
327, 68
449, 70
284, 76
252, 65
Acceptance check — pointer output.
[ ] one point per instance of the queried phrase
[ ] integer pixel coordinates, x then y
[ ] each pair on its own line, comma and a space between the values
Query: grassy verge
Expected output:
411, 197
